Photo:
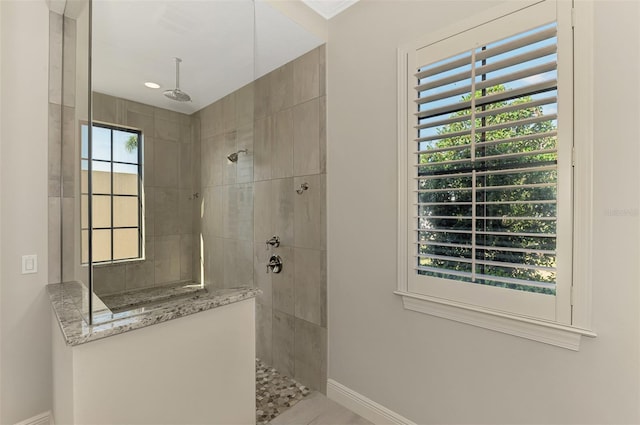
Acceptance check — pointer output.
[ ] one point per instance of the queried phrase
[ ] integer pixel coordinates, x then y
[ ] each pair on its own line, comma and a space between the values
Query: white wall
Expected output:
194, 370
431, 370
25, 351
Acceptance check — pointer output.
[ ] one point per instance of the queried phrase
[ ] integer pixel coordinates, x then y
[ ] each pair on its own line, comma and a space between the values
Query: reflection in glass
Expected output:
125, 179
125, 244
101, 144
115, 193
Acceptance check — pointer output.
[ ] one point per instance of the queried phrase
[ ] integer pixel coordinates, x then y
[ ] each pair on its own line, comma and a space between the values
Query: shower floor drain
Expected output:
275, 393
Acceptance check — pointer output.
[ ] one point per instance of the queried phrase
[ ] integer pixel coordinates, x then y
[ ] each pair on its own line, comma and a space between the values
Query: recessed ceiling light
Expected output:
152, 85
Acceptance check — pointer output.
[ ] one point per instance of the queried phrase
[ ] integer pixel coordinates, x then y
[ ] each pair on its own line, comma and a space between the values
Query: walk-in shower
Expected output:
206, 181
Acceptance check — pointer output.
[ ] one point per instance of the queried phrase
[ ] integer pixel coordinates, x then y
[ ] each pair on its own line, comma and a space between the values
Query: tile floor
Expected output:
275, 393
281, 400
316, 409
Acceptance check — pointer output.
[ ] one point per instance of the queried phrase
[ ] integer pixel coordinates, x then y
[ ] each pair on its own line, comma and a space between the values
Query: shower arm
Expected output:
178, 60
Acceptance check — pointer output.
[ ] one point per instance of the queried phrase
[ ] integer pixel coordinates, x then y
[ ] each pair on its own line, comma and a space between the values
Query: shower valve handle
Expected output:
274, 264
274, 242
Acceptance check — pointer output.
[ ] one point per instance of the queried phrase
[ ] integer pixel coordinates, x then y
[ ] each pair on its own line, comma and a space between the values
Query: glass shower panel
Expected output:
160, 208
75, 115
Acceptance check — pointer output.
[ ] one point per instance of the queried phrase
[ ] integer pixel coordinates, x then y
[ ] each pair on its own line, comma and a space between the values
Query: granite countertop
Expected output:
121, 313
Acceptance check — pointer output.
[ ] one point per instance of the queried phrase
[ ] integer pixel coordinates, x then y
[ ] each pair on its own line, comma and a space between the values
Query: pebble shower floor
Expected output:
275, 393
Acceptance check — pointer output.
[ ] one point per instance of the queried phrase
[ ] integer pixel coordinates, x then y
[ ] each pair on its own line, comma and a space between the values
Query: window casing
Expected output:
117, 207
486, 210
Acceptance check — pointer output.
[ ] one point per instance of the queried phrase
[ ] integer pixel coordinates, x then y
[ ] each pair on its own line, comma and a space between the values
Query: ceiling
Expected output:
329, 8
221, 47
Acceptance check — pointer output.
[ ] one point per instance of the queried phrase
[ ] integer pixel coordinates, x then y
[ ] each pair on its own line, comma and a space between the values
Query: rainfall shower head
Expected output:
234, 156
177, 94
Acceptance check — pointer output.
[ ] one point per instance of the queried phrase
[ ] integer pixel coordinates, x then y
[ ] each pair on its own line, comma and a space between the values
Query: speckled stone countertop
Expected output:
68, 298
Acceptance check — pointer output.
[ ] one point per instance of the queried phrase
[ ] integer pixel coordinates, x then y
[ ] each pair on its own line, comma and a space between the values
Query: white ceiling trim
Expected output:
329, 8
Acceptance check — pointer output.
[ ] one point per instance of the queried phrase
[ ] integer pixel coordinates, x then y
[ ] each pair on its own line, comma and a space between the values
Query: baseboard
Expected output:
363, 406
42, 419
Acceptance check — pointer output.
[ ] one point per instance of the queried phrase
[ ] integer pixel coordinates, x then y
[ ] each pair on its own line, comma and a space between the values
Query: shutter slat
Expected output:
451, 108
443, 217
533, 38
487, 263
522, 234
448, 149
481, 218
518, 59
529, 90
445, 204
444, 271
488, 233
517, 75
510, 249
517, 186
444, 94
444, 66
517, 106
466, 132
517, 170
488, 248
513, 281
489, 188
445, 258
447, 189
465, 75
518, 123
516, 154
447, 244
462, 232
517, 139
533, 168
446, 121
443, 176
452, 162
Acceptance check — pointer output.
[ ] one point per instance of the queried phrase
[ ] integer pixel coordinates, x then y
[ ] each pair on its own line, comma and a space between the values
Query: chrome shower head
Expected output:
177, 94
234, 156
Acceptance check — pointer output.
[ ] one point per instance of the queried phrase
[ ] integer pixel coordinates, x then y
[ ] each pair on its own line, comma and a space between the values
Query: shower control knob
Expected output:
274, 242
274, 264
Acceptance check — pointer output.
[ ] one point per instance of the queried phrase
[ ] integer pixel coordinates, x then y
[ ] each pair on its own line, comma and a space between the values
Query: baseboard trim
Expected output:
42, 419
363, 406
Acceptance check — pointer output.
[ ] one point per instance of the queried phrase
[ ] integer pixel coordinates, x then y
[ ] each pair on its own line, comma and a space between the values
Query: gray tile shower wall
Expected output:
170, 180
281, 120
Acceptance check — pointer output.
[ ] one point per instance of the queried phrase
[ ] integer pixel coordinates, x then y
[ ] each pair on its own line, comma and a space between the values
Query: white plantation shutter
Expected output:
488, 168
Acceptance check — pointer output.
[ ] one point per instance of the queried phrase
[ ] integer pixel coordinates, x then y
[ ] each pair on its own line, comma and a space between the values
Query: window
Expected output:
116, 199
486, 200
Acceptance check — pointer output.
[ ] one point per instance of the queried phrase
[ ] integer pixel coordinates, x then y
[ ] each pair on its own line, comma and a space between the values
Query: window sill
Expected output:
546, 332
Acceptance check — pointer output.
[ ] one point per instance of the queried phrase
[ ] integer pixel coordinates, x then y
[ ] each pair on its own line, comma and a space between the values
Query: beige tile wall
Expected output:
280, 119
